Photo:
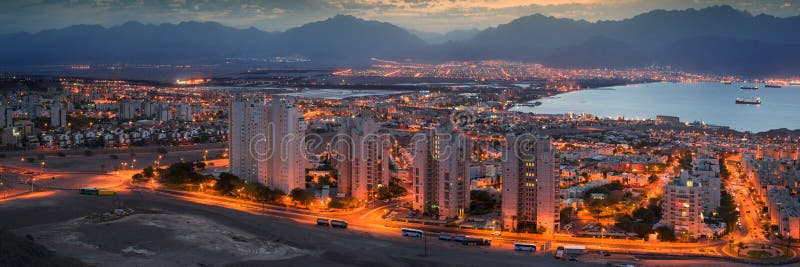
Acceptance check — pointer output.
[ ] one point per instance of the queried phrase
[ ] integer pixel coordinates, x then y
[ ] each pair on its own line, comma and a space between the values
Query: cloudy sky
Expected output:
278, 15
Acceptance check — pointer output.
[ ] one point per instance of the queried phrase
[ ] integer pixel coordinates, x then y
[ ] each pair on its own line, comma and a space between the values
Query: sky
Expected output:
278, 15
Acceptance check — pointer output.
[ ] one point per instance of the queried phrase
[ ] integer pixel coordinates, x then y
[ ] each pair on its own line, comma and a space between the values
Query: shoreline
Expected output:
529, 108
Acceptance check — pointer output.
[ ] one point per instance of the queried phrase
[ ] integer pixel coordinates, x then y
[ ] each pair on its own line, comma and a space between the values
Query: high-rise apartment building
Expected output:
58, 115
440, 172
246, 142
682, 208
361, 158
285, 135
530, 192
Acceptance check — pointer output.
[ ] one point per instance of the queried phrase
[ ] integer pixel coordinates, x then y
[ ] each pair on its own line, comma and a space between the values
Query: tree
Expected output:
148, 172
393, 190
566, 215
226, 183
302, 196
344, 203
432, 209
724, 173
666, 234
727, 210
481, 202
652, 179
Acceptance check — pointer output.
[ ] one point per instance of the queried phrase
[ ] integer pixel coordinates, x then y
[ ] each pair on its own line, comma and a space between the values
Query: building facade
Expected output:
442, 158
682, 208
362, 158
530, 192
246, 139
286, 160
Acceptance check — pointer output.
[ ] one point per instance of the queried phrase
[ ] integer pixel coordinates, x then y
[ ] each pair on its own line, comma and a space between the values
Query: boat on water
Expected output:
749, 87
748, 100
726, 82
772, 86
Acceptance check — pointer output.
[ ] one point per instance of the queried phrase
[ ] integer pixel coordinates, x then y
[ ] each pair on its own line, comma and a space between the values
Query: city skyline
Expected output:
357, 133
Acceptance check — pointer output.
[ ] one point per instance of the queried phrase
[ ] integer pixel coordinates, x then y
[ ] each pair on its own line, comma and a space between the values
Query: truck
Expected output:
339, 223
476, 241
106, 192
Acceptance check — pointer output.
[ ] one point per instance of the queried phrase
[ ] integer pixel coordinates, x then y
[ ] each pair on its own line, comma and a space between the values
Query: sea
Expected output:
711, 103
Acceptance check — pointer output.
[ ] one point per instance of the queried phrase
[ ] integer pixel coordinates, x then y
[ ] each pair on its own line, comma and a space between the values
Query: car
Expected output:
606, 254
496, 233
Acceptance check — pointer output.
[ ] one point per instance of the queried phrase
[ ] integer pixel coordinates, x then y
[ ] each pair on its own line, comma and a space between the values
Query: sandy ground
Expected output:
190, 234
130, 241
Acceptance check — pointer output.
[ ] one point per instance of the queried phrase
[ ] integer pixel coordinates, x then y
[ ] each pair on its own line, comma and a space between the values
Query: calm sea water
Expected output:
712, 103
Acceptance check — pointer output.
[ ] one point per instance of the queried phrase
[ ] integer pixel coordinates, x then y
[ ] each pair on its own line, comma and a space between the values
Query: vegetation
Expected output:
344, 203
187, 176
685, 161
481, 202
666, 234
393, 190
726, 211
641, 220
565, 215
596, 205
652, 179
183, 173
302, 196
724, 173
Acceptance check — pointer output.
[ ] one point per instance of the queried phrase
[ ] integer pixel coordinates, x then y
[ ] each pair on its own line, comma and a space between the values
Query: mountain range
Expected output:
718, 39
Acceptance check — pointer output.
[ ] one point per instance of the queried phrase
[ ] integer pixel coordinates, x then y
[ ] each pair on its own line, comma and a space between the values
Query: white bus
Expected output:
445, 236
412, 232
525, 247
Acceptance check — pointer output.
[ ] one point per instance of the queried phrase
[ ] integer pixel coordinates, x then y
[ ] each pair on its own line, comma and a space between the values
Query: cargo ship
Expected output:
749, 87
772, 86
748, 100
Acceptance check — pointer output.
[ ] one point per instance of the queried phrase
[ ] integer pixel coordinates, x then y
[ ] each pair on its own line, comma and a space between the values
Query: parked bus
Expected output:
89, 191
574, 250
412, 232
106, 193
323, 222
460, 238
445, 236
525, 247
339, 223
476, 241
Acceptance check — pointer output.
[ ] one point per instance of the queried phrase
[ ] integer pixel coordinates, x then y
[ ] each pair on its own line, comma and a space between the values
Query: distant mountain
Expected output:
346, 38
451, 36
597, 52
688, 38
341, 39
716, 39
